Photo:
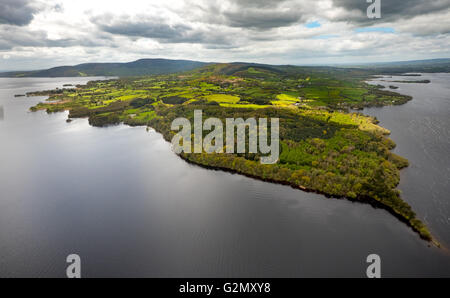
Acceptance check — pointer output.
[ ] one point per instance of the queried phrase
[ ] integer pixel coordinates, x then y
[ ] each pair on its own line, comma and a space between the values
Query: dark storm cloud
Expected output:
14, 36
260, 19
147, 29
392, 10
253, 14
156, 28
16, 12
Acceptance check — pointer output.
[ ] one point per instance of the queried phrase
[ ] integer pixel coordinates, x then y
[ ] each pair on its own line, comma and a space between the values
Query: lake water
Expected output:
421, 130
123, 201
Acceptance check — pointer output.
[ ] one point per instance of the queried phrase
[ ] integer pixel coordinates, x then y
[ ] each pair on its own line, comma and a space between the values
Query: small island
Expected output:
413, 82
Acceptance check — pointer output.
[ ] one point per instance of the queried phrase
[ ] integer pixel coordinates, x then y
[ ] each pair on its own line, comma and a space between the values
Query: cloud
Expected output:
22, 12
248, 14
55, 32
16, 36
142, 26
391, 10
158, 28
262, 15
425, 25
13, 36
17, 12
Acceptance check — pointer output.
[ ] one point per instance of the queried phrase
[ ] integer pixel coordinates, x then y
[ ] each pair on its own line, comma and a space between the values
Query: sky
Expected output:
38, 34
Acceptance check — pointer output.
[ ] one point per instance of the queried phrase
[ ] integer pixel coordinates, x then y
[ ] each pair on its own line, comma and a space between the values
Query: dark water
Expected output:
120, 199
421, 129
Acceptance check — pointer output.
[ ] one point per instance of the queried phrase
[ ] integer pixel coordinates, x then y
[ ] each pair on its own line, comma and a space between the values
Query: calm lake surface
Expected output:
421, 130
123, 201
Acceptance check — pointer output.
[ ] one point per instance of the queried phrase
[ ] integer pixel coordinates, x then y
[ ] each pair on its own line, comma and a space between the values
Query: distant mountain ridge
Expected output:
144, 67
136, 68
431, 65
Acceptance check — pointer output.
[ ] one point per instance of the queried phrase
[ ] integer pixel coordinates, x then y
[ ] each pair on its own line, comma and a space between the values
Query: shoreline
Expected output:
363, 200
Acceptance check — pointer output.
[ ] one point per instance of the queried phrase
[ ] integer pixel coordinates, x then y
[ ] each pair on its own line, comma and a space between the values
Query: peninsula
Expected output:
324, 147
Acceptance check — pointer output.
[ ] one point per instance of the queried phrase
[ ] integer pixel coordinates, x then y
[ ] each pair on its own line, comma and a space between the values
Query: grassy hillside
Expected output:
136, 68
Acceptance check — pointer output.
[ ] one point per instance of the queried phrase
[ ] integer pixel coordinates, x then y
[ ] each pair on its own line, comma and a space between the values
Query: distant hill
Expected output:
432, 65
266, 71
252, 70
136, 68
256, 70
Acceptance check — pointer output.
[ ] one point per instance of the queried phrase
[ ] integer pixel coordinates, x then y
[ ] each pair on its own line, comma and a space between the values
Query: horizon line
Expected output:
299, 65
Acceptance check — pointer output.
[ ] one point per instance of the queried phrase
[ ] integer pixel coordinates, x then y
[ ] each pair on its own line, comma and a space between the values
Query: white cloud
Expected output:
55, 32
